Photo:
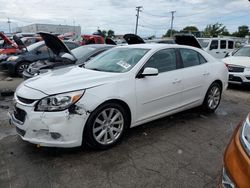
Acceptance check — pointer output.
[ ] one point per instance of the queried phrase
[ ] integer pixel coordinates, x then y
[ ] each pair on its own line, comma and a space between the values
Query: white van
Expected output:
217, 47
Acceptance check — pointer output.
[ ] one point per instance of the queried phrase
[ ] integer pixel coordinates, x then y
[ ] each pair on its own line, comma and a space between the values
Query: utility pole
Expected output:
9, 25
172, 22
138, 9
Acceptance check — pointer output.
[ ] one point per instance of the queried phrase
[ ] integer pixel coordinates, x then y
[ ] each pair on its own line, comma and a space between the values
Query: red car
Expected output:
8, 46
92, 39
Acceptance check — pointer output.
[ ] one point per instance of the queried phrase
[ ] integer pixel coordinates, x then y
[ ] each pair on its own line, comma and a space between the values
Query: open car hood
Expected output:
55, 44
19, 43
187, 39
109, 41
133, 39
7, 40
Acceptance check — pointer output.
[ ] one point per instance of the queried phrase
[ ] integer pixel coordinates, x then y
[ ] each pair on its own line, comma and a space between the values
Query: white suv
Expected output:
217, 47
121, 88
239, 66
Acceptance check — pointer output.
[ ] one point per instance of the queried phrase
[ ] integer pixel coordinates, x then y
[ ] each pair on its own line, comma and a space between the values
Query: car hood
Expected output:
237, 60
19, 43
133, 39
7, 40
109, 41
70, 79
187, 39
55, 44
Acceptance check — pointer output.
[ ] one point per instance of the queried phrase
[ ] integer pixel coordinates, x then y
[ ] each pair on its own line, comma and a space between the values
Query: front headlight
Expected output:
247, 69
245, 135
12, 58
59, 102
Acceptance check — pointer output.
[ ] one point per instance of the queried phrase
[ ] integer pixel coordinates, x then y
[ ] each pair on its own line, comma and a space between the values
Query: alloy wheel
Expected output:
214, 97
108, 126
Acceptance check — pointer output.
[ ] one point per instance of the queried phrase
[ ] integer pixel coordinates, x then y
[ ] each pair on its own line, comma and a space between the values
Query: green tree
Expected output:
168, 33
190, 29
104, 33
214, 30
242, 31
111, 33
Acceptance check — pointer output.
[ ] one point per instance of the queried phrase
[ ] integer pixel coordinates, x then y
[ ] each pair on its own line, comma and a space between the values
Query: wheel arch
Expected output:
124, 105
219, 82
19, 62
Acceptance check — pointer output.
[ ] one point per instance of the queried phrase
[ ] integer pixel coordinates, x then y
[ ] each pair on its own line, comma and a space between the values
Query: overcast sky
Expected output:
119, 15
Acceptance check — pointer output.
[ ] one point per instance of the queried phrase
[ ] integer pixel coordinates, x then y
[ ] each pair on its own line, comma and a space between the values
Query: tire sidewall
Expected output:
88, 137
205, 103
18, 66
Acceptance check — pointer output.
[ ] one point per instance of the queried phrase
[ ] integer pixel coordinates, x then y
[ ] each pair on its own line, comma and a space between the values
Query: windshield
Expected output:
245, 51
80, 52
203, 42
34, 46
117, 60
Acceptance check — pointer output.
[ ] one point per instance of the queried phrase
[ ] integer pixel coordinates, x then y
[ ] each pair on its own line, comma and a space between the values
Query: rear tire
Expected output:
21, 67
105, 126
212, 98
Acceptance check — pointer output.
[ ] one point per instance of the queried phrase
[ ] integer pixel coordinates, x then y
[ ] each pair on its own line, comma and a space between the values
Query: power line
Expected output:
138, 9
163, 16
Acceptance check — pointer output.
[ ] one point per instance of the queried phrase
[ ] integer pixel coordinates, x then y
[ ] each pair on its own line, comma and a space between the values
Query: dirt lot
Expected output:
184, 150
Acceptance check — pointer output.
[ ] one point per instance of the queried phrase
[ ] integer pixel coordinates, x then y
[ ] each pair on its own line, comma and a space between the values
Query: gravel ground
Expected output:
184, 150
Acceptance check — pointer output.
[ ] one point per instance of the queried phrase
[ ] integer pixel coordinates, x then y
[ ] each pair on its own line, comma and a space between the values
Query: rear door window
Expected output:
163, 60
191, 58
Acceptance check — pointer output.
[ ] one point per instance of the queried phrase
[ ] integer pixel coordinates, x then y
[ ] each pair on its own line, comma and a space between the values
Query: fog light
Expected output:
55, 135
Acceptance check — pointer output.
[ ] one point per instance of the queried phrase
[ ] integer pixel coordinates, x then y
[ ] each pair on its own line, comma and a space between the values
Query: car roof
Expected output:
156, 46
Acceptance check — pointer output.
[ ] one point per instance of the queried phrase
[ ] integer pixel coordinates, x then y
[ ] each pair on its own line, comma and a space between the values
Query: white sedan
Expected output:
121, 88
239, 66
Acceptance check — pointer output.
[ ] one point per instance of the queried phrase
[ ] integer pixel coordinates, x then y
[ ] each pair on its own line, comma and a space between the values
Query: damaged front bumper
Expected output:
51, 129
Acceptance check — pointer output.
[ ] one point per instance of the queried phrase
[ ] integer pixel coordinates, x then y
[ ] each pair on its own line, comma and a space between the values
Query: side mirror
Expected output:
148, 71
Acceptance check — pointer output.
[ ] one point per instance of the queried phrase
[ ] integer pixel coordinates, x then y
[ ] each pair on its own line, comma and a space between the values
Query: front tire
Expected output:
105, 126
21, 67
212, 98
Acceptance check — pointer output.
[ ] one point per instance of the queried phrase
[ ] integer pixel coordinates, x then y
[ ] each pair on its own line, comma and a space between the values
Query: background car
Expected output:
236, 170
15, 65
15, 46
64, 56
8, 47
121, 88
239, 66
217, 47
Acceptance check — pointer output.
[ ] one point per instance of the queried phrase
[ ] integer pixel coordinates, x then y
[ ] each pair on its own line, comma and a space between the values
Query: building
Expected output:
51, 28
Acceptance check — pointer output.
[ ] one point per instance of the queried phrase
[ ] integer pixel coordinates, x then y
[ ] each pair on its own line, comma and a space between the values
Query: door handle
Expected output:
176, 81
205, 73
217, 52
